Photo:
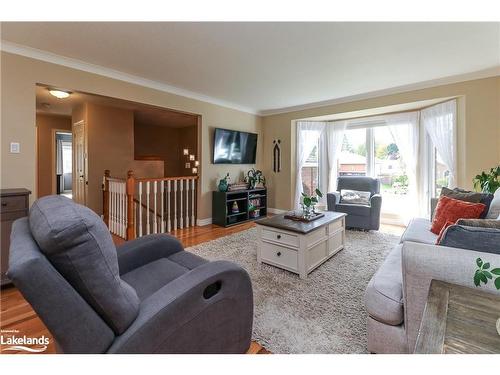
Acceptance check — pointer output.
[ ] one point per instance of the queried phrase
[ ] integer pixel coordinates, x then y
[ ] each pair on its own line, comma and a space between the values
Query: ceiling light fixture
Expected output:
59, 94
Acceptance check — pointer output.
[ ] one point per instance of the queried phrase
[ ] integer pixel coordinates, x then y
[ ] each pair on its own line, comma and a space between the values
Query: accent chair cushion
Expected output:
384, 293
449, 209
354, 209
469, 196
355, 197
78, 244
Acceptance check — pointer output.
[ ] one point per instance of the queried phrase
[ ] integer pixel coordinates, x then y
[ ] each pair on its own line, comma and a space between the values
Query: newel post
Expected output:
130, 205
105, 197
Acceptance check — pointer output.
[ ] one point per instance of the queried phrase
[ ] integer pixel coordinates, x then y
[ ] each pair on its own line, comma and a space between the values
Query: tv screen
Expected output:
234, 147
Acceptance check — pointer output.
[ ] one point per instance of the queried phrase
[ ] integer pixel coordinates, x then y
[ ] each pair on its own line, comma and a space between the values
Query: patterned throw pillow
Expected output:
449, 209
354, 197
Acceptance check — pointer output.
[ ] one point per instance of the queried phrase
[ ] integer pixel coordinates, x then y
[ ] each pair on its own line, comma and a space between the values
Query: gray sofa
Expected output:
146, 296
359, 216
396, 295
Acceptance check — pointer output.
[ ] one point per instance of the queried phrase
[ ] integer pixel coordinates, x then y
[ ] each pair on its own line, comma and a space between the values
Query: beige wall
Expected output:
478, 131
46, 124
18, 78
167, 144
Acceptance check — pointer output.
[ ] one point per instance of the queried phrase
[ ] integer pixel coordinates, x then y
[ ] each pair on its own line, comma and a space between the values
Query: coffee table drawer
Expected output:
336, 225
280, 237
282, 256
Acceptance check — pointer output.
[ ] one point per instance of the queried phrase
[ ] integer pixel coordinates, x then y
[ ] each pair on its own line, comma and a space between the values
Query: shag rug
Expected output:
324, 313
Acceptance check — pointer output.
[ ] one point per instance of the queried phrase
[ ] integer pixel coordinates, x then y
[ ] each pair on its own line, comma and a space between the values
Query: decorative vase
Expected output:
223, 183
235, 209
307, 211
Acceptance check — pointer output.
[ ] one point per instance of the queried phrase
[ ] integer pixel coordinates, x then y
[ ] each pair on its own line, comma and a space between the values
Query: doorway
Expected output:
64, 163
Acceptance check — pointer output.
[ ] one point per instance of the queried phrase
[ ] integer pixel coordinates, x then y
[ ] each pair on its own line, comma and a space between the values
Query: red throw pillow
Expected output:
448, 223
449, 209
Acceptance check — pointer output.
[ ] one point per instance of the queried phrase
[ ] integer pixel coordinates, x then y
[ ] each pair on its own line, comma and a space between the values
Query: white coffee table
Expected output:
297, 246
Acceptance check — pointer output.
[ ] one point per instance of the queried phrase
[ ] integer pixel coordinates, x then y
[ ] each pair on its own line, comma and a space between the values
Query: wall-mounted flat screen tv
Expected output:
234, 147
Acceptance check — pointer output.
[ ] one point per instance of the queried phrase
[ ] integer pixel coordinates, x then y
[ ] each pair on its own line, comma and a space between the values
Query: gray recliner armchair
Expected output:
146, 296
360, 216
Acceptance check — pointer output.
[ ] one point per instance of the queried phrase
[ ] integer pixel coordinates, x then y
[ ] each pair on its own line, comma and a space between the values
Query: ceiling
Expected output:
143, 114
266, 67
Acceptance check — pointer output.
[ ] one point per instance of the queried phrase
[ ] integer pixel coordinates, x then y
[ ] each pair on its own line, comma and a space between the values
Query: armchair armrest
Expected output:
143, 250
421, 263
376, 206
332, 199
182, 317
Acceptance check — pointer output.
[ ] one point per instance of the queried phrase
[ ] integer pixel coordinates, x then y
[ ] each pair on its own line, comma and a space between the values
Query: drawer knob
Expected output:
278, 253
278, 236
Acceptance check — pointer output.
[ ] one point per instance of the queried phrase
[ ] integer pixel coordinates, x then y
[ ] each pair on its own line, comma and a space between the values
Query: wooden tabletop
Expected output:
279, 221
459, 320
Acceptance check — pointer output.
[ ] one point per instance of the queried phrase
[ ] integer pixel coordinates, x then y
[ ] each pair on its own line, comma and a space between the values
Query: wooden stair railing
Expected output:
129, 203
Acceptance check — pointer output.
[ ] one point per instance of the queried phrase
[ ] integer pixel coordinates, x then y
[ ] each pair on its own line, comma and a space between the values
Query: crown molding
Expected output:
486, 73
69, 62
50, 57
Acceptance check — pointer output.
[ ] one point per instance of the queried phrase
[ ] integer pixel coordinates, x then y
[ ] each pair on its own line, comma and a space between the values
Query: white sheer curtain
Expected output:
440, 123
404, 129
334, 135
308, 134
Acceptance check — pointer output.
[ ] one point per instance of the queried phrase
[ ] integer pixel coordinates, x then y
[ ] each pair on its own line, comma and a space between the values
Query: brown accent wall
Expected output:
166, 144
45, 124
110, 137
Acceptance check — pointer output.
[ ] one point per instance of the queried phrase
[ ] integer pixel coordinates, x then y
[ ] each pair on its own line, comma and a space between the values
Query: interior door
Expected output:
80, 176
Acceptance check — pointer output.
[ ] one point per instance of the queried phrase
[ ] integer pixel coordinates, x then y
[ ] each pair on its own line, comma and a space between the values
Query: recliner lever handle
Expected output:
212, 290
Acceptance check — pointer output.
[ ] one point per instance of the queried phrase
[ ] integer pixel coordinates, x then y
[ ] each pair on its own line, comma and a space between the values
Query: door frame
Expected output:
53, 155
86, 161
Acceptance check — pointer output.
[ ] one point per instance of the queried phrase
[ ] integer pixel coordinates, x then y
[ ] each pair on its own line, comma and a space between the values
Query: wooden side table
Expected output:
14, 205
459, 320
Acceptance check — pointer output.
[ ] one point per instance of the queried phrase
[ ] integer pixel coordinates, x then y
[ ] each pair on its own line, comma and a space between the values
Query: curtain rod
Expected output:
383, 114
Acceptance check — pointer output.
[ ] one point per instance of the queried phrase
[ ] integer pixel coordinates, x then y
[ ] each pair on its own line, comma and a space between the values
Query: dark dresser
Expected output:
14, 204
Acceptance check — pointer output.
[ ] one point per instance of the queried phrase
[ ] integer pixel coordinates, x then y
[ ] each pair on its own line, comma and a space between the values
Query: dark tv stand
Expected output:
248, 201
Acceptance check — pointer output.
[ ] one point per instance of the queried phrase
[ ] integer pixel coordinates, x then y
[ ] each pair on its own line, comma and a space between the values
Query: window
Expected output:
310, 172
353, 156
441, 174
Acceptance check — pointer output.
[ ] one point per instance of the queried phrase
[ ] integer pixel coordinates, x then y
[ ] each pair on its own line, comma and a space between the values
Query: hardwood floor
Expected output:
17, 315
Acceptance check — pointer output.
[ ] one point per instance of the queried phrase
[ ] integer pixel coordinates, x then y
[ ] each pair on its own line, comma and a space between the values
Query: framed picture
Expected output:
188, 165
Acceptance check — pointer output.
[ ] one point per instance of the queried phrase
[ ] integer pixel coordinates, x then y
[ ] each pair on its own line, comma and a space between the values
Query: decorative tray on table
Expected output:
298, 216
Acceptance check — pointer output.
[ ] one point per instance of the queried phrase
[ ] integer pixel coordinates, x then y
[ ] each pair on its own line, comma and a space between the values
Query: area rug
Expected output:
322, 314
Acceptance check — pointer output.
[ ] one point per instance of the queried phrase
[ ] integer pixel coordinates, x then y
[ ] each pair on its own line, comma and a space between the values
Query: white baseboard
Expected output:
202, 222
275, 210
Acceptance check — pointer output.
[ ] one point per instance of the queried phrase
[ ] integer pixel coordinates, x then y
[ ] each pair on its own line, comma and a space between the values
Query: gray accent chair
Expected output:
359, 216
146, 296
397, 293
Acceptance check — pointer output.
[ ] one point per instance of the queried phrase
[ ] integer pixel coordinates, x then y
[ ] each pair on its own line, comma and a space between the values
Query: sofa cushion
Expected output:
384, 294
78, 244
419, 230
483, 223
354, 209
449, 209
469, 196
494, 210
486, 240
